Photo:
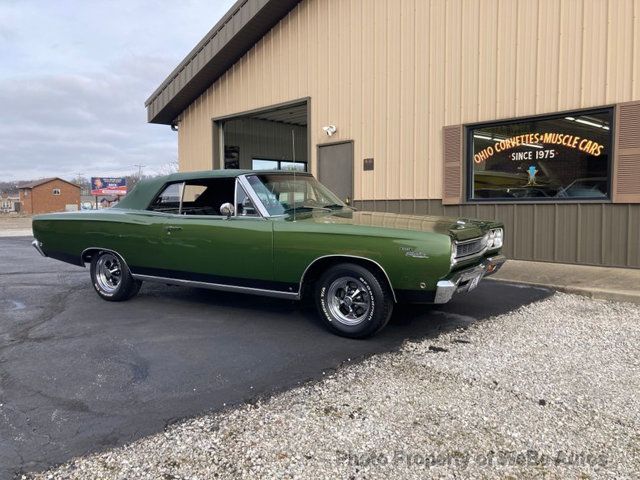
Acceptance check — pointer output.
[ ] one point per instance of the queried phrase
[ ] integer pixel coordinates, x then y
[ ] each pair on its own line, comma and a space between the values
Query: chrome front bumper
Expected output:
38, 246
465, 280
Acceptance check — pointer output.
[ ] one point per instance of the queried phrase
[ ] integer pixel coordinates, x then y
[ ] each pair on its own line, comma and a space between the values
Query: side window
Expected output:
191, 193
56, 191
206, 196
244, 206
169, 200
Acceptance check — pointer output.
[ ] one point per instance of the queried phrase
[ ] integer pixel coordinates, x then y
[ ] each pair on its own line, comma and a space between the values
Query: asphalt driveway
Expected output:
78, 374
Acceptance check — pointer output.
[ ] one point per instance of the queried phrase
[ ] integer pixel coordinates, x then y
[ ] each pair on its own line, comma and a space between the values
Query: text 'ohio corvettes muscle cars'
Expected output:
281, 234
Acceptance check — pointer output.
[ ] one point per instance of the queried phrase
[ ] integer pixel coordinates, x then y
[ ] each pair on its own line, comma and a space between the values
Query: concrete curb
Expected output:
597, 293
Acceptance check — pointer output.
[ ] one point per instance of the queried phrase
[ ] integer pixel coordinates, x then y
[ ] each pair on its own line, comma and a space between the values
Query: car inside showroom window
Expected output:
559, 157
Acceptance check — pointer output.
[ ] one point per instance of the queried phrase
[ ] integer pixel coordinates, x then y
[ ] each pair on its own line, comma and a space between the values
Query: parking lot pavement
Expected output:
78, 374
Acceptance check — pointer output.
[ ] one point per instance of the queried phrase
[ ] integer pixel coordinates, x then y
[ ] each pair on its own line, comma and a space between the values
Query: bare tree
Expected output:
168, 168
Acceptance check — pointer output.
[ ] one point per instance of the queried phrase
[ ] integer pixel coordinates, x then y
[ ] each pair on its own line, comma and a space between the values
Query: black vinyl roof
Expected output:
237, 31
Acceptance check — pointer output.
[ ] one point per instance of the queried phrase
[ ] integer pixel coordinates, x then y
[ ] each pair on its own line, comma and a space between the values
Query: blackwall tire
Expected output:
353, 301
111, 277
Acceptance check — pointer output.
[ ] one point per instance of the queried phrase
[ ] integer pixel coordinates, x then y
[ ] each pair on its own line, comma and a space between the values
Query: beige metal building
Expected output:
527, 111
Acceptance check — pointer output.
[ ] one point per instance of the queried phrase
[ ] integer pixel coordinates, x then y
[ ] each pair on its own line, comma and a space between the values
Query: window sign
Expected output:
561, 157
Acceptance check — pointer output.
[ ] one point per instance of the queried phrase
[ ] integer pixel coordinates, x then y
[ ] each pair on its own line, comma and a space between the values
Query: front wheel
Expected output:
353, 301
111, 277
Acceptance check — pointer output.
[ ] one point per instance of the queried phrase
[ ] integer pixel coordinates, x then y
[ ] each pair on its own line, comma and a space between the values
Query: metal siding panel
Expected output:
407, 207
354, 92
506, 76
544, 227
526, 59
487, 59
393, 206
422, 102
394, 162
437, 80
453, 63
548, 56
633, 239
594, 52
590, 231
570, 54
380, 99
524, 232
567, 238
367, 94
619, 61
421, 207
616, 233
506, 215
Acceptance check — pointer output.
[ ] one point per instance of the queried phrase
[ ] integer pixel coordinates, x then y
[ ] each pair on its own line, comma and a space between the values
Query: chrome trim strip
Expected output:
445, 289
349, 256
38, 246
182, 189
253, 196
219, 286
481, 253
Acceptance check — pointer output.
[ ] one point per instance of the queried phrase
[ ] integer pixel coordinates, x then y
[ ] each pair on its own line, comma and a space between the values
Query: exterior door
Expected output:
236, 251
335, 169
197, 243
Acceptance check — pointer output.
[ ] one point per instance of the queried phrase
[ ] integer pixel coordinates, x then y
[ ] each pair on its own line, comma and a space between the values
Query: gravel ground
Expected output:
548, 391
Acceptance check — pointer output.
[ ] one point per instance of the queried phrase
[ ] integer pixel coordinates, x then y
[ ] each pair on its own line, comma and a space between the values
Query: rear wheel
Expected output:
353, 301
111, 277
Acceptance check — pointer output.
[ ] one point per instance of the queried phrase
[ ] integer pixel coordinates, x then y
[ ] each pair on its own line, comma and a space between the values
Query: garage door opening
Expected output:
269, 139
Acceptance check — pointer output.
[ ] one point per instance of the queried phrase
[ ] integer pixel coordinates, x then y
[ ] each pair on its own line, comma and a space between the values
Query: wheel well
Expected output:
318, 267
87, 254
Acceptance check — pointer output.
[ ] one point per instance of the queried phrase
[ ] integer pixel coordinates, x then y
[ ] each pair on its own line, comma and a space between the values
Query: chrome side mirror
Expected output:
226, 209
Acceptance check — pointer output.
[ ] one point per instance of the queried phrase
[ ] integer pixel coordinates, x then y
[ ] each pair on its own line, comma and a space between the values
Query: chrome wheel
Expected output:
349, 300
108, 272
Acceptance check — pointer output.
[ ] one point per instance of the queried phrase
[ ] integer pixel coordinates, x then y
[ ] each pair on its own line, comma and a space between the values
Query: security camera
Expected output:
330, 130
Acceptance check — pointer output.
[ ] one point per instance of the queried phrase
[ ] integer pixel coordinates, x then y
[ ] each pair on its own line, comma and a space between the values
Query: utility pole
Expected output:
140, 167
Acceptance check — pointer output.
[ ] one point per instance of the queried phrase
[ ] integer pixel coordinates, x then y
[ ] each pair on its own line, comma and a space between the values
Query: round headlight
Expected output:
497, 237
489, 239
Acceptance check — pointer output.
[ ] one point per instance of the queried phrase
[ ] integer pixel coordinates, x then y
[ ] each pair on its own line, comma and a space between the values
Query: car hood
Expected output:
458, 228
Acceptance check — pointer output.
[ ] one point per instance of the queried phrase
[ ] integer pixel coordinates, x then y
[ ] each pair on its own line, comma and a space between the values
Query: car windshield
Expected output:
282, 193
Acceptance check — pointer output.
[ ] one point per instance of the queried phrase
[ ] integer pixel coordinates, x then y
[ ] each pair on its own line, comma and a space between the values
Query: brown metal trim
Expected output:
625, 182
453, 164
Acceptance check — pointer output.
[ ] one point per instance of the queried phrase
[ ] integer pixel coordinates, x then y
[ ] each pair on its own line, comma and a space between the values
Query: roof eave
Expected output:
234, 35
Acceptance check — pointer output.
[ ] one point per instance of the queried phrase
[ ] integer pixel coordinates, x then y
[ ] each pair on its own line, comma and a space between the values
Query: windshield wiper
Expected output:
307, 207
335, 205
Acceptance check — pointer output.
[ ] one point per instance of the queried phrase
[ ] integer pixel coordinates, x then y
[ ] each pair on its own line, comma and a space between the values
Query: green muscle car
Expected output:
281, 234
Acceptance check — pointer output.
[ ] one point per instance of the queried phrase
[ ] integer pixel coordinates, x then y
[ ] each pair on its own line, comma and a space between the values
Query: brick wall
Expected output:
40, 199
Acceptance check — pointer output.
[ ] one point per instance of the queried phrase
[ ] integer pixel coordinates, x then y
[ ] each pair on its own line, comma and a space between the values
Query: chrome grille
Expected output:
470, 247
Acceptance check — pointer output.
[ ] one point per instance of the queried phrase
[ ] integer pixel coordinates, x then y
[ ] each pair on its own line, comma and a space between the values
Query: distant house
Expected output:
49, 195
9, 203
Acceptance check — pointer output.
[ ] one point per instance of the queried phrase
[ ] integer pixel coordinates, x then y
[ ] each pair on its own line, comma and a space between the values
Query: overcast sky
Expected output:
74, 76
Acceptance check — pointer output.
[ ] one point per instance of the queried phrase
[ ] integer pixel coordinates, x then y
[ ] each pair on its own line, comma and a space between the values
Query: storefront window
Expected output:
561, 157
